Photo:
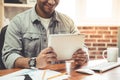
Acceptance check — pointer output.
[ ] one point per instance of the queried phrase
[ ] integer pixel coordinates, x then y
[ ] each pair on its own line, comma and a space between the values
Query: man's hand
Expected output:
45, 57
80, 57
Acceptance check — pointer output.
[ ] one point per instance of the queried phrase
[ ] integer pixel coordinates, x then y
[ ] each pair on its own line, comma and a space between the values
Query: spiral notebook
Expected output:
66, 44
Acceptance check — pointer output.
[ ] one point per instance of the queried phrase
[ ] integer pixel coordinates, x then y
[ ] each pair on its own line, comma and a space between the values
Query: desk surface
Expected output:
113, 74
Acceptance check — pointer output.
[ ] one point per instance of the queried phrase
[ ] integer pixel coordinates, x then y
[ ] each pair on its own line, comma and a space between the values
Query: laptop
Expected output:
66, 44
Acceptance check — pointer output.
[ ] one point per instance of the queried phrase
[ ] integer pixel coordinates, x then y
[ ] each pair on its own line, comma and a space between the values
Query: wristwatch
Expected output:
32, 63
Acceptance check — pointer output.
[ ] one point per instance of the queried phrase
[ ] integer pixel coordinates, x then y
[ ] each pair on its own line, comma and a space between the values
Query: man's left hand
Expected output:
80, 57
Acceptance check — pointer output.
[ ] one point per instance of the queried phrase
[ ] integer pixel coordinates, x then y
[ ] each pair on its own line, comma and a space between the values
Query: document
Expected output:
35, 75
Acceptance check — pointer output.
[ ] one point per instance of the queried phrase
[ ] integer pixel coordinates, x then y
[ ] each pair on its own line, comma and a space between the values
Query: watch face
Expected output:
32, 62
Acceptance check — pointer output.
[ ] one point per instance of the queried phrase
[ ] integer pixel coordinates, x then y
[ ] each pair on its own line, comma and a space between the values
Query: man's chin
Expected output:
49, 12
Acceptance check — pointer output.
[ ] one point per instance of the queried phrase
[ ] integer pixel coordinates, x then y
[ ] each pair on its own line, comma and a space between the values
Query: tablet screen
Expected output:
66, 44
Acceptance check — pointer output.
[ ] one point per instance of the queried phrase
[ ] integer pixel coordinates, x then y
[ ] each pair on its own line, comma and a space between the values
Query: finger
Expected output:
51, 60
51, 57
84, 59
79, 55
80, 62
47, 50
46, 56
51, 54
80, 51
51, 48
80, 58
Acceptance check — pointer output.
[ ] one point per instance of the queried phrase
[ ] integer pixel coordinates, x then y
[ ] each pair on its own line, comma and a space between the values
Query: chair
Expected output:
2, 36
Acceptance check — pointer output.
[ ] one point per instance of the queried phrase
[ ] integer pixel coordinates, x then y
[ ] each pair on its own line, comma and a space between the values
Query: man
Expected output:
27, 35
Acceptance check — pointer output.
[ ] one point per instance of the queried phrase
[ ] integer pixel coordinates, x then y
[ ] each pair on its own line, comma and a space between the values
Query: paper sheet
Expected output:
34, 74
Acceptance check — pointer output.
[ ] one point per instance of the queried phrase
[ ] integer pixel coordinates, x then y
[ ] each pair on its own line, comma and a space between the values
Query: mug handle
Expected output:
103, 54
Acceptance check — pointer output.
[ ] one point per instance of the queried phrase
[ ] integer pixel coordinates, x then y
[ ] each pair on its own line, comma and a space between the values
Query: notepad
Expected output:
66, 44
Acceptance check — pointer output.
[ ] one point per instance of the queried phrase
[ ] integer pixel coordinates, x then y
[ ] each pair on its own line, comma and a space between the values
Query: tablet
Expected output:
65, 44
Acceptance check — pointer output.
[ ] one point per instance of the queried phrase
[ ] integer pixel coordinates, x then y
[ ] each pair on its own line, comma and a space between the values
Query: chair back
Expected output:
2, 37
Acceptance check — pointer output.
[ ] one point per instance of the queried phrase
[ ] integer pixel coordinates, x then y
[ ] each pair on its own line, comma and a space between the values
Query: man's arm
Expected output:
21, 62
12, 45
45, 57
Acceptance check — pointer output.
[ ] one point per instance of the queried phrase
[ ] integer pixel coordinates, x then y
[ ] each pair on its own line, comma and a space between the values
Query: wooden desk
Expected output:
113, 74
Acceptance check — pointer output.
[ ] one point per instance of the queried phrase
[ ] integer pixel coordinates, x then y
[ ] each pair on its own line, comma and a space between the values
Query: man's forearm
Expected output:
21, 62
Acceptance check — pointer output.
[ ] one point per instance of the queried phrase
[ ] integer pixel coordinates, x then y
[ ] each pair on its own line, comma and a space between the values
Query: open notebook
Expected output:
66, 44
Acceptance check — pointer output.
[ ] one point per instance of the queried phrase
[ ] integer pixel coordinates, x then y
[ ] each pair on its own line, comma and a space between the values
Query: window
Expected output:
92, 12
99, 9
99, 12
67, 7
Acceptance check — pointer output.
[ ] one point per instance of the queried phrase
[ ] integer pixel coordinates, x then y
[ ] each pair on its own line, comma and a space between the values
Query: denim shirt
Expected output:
26, 36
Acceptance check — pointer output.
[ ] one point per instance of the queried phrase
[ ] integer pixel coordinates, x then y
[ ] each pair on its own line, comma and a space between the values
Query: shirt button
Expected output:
43, 28
45, 40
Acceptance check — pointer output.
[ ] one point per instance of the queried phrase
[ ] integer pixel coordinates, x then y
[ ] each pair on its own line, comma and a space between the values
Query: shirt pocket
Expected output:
31, 44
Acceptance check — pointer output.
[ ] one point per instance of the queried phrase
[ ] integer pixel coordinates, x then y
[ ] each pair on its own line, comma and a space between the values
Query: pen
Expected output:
54, 76
43, 74
27, 77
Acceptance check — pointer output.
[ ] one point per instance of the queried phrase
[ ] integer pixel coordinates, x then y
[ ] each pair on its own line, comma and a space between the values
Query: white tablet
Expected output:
66, 44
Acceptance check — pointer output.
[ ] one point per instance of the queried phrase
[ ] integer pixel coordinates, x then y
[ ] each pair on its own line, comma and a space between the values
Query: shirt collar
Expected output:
34, 15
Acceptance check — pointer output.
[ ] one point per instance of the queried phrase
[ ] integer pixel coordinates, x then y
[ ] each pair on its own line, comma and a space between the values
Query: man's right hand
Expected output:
45, 57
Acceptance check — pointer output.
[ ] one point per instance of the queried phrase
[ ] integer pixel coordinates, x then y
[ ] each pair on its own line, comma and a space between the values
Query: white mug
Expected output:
112, 54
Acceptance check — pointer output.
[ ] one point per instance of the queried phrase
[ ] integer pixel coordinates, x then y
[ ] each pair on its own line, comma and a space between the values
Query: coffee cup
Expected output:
112, 54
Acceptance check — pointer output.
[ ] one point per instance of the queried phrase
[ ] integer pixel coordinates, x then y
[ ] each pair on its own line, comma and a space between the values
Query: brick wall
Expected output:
99, 38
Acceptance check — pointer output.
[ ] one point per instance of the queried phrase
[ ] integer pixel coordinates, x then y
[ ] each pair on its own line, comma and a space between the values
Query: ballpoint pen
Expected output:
57, 75
43, 76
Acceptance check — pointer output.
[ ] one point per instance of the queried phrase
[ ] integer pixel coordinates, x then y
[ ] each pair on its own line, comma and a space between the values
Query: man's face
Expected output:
47, 6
